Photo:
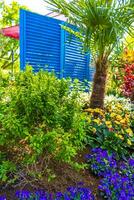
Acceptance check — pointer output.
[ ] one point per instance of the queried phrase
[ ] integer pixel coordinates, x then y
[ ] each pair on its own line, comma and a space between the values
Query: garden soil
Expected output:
66, 176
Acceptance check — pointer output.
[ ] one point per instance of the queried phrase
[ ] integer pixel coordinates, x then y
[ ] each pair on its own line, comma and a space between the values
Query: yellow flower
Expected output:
117, 122
89, 110
123, 121
127, 120
97, 121
127, 116
119, 105
121, 137
98, 110
129, 131
129, 142
118, 117
112, 115
108, 124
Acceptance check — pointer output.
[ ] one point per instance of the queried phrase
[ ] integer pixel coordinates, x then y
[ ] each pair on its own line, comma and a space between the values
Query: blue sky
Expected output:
37, 6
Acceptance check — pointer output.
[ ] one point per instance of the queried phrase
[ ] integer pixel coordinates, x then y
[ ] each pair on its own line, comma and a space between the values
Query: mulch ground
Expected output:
66, 176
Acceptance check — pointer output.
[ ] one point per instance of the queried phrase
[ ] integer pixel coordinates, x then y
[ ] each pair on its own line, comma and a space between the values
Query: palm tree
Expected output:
101, 24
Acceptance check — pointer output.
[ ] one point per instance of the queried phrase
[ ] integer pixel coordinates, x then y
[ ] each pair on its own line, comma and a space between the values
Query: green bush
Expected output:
7, 167
40, 115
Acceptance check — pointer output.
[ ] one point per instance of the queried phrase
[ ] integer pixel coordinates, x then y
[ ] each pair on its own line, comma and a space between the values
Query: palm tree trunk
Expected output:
99, 84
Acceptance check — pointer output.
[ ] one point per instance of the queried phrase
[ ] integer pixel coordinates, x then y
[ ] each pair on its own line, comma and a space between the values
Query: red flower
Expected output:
128, 85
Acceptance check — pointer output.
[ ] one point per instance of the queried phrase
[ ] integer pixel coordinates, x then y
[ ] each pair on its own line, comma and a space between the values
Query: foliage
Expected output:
111, 129
101, 162
128, 84
9, 17
120, 80
122, 58
128, 53
100, 26
97, 29
6, 168
39, 114
115, 73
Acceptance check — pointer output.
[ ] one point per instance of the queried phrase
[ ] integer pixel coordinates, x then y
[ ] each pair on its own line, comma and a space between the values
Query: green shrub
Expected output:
6, 167
40, 115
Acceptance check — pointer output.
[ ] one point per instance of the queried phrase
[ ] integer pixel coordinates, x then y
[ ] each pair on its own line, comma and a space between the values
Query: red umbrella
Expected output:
12, 32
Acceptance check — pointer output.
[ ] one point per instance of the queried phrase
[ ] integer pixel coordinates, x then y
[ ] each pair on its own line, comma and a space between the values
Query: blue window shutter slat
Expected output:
62, 53
22, 39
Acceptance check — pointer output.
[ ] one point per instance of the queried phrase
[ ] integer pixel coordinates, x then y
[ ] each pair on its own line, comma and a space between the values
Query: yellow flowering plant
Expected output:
111, 129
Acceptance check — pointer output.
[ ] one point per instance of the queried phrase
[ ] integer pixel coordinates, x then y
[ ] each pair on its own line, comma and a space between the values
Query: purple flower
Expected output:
104, 153
42, 194
113, 163
3, 198
131, 162
122, 166
79, 192
80, 183
59, 195
95, 150
116, 186
101, 162
66, 197
87, 157
98, 158
123, 196
23, 194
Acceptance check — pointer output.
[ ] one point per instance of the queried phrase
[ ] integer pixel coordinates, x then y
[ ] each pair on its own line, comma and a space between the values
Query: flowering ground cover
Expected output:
100, 162
76, 193
117, 176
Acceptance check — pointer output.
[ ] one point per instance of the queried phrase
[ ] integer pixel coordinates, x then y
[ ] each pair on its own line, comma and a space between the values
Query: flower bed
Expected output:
112, 128
44, 127
72, 193
117, 181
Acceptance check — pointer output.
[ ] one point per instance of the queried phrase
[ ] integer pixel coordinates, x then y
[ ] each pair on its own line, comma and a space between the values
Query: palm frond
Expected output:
101, 24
